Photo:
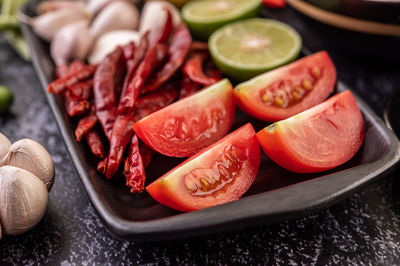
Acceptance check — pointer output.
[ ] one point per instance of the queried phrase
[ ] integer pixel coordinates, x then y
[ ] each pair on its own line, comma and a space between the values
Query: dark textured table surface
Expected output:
364, 229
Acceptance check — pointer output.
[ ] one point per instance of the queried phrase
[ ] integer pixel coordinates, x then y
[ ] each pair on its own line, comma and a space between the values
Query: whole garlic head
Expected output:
5, 145
29, 155
23, 200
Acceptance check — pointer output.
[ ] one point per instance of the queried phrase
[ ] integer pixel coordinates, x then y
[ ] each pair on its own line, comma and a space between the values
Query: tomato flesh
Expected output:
219, 174
288, 90
318, 139
191, 124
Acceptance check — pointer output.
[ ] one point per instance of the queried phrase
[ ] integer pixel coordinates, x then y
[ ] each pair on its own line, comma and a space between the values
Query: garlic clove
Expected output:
5, 145
71, 42
53, 5
23, 200
153, 17
48, 24
109, 41
31, 156
95, 6
117, 15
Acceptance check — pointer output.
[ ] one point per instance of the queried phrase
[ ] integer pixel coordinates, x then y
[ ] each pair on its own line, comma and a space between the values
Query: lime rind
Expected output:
240, 71
203, 28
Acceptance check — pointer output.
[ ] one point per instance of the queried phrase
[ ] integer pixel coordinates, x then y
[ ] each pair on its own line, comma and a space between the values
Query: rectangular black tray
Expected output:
276, 194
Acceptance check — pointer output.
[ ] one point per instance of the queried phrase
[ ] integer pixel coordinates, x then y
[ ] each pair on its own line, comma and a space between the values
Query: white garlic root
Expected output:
153, 17
109, 41
117, 15
5, 145
71, 42
48, 24
53, 5
23, 200
31, 156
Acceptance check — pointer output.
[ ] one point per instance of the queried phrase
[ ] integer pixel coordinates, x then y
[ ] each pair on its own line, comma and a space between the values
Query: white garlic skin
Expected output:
71, 42
48, 24
31, 156
23, 200
117, 15
5, 145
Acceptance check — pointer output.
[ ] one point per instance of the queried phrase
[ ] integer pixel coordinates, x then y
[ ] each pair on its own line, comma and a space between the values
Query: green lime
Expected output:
5, 99
247, 48
205, 16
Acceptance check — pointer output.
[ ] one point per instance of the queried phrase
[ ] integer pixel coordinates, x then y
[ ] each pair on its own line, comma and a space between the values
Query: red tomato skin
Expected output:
248, 99
276, 143
150, 128
176, 196
274, 3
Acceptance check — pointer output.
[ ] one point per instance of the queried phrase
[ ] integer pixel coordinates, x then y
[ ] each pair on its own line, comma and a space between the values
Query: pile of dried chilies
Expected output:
130, 83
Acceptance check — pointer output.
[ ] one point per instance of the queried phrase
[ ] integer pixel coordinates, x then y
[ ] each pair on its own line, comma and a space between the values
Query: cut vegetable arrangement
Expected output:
163, 93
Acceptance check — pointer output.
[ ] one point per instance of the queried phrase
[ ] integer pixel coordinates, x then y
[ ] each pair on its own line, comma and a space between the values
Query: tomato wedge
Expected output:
191, 124
288, 90
318, 139
219, 174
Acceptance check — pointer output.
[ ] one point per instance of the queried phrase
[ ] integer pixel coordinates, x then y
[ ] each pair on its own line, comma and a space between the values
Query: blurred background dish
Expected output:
381, 17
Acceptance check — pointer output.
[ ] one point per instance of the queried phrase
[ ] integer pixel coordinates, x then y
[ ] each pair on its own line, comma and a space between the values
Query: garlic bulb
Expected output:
153, 17
5, 145
48, 24
29, 155
117, 15
71, 42
23, 200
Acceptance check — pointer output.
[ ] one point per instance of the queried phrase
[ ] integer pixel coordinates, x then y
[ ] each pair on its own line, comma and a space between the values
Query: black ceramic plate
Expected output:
276, 194
392, 112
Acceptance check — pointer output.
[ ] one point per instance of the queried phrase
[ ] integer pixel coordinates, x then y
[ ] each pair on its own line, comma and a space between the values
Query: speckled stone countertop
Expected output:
364, 229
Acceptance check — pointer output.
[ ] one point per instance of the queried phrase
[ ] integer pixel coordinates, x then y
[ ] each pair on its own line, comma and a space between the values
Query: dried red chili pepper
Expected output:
150, 103
129, 51
121, 134
153, 58
177, 52
193, 68
211, 70
163, 36
199, 46
61, 84
136, 177
137, 57
75, 108
101, 166
96, 145
188, 87
61, 71
82, 90
85, 125
107, 78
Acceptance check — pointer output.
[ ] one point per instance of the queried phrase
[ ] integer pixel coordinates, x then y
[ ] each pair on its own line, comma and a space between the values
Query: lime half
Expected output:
244, 49
205, 16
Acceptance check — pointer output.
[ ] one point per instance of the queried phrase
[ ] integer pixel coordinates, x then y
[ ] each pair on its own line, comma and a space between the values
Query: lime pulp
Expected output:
250, 47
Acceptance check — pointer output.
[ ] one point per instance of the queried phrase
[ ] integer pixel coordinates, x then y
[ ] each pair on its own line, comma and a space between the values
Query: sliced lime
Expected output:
205, 16
250, 47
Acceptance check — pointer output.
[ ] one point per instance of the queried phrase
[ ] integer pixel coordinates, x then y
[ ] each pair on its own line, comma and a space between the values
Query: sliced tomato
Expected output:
288, 90
191, 124
318, 139
221, 173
